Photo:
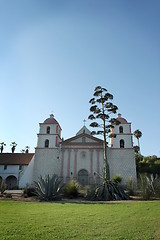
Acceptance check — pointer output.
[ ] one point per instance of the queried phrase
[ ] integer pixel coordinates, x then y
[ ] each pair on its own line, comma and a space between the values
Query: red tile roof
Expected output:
51, 120
15, 158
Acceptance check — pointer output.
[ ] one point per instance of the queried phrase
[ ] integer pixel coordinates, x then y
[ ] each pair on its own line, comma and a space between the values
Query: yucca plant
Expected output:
48, 188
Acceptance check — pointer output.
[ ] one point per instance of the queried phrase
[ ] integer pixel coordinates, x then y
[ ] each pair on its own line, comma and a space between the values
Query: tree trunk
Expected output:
139, 145
106, 173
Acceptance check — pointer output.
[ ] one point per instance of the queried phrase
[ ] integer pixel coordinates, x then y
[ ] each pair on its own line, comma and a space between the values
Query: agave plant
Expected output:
107, 191
48, 188
149, 186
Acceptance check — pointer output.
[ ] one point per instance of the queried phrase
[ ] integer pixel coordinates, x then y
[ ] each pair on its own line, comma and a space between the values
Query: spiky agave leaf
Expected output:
48, 188
107, 191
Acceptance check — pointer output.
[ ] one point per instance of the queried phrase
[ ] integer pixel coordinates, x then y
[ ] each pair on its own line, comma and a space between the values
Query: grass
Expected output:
34, 220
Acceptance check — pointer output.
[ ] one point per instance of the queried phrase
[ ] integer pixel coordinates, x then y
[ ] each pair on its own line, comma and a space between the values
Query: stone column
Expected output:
75, 164
62, 164
91, 167
68, 165
98, 167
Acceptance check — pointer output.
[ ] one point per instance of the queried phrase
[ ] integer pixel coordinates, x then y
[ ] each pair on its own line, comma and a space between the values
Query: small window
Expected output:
57, 129
5, 167
48, 130
83, 139
46, 143
20, 167
121, 143
83, 154
121, 129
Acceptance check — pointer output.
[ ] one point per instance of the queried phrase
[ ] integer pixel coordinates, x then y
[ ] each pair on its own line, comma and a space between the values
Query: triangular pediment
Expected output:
82, 139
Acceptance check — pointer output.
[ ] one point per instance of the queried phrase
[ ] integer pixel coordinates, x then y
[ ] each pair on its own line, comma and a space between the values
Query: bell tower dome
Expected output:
49, 133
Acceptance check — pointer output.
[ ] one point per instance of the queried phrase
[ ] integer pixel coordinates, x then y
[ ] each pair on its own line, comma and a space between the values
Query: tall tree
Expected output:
27, 149
13, 144
2, 144
138, 134
102, 109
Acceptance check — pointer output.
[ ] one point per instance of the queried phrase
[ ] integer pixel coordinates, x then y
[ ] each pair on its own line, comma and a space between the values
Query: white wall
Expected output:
122, 161
46, 161
11, 170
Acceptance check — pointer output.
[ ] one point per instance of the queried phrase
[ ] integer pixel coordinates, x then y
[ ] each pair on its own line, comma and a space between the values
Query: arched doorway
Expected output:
11, 182
83, 177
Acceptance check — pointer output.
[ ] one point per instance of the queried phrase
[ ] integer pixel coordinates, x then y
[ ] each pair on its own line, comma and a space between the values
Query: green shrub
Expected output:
149, 186
29, 192
48, 188
157, 186
8, 195
117, 178
130, 186
71, 189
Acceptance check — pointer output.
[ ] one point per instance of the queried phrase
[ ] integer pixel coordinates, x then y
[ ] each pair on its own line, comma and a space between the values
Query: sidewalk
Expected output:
14, 191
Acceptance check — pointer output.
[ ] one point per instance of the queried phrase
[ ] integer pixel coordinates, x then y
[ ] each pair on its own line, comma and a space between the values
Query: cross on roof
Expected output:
84, 121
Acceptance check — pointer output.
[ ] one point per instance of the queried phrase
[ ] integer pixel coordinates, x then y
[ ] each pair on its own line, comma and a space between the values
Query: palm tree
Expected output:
13, 144
2, 146
138, 134
27, 149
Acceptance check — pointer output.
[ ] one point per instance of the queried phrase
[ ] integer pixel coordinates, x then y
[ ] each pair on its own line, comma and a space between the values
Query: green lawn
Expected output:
30, 220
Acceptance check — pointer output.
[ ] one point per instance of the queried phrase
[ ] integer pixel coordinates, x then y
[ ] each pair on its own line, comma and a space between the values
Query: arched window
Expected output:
57, 129
121, 143
48, 130
46, 143
120, 129
56, 144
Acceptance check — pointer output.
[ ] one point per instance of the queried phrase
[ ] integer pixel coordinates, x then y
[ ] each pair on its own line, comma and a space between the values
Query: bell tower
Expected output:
49, 133
47, 152
123, 134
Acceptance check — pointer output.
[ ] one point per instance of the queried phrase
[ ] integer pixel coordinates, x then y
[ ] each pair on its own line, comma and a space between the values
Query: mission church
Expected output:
79, 157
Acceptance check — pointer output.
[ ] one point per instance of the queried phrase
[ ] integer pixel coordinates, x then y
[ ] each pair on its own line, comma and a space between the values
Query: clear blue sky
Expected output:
54, 53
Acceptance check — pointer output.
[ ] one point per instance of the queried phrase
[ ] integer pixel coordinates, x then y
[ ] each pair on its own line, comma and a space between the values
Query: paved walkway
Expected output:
14, 191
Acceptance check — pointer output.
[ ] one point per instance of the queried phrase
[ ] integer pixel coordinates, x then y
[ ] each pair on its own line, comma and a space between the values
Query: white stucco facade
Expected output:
80, 157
